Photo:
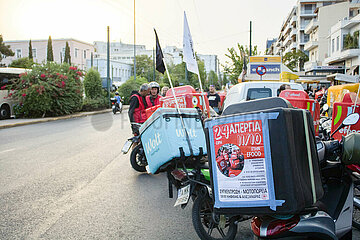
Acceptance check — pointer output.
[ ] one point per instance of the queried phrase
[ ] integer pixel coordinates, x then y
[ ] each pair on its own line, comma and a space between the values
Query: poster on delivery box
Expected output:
241, 161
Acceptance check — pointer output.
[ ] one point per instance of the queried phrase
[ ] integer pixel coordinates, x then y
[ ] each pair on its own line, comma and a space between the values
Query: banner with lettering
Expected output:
241, 161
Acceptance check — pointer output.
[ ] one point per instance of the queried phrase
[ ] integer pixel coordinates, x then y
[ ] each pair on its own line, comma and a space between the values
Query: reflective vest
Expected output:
139, 113
151, 101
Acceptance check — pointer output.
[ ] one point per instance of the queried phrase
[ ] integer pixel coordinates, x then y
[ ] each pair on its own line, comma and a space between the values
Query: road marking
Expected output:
9, 150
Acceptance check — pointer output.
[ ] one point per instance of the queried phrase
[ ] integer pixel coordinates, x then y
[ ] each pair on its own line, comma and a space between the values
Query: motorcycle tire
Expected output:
138, 159
204, 224
120, 110
114, 110
356, 210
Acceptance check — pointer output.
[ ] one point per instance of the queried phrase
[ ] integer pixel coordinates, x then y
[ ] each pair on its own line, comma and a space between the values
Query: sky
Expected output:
215, 25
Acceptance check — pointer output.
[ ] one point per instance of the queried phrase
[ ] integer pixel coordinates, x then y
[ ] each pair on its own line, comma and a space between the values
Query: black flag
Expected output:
160, 66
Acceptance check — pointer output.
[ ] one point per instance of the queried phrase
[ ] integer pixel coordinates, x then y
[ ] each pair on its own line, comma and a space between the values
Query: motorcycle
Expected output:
191, 177
137, 157
329, 218
116, 107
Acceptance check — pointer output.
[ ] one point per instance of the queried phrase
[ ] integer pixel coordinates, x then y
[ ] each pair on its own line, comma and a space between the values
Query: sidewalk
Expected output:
8, 123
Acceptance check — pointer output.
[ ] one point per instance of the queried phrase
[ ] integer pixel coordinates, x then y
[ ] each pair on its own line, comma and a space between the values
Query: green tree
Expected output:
22, 63
125, 90
67, 57
235, 66
92, 84
294, 59
213, 80
30, 50
50, 54
5, 49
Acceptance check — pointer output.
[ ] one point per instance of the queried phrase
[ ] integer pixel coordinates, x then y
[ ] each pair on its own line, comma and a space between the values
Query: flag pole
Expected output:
178, 109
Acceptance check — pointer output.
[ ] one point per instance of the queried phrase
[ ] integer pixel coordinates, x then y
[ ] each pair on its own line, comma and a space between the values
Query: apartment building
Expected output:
172, 54
343, 44
79, 51
292, 33
318, 31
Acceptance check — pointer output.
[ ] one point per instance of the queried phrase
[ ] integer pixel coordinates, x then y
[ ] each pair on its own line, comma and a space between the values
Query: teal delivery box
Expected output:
163, 134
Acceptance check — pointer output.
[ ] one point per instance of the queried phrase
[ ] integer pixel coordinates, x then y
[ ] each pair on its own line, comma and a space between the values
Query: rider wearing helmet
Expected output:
154, 98
118, 98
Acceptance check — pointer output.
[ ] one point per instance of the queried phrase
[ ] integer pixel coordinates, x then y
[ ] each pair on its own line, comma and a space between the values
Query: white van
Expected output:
254, 90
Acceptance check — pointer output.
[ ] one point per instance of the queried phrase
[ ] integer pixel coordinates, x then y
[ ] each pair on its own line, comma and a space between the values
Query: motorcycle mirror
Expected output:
325, 107
349, 120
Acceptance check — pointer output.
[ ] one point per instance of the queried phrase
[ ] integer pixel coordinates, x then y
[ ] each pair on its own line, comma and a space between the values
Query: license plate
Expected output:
126, 146
183, 195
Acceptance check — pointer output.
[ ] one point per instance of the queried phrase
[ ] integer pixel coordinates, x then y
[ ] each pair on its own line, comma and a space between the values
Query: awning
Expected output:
343, 78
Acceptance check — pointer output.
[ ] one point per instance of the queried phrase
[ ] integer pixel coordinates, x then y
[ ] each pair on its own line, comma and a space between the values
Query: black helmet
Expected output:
116, 93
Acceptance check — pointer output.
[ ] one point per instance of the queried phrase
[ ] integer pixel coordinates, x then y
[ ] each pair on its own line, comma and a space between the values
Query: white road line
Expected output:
9, 150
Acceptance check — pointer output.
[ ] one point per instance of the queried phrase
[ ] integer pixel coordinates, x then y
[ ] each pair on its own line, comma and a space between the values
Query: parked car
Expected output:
255, 90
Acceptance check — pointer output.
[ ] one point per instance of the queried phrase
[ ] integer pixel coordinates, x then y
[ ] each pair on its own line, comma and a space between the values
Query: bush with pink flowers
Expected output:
50, 89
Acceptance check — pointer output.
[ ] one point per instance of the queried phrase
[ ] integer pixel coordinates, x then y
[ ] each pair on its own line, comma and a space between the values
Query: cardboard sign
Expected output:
241, 161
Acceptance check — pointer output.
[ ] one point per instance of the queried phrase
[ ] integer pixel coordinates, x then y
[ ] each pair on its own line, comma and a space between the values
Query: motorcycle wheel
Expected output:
356, 210
138, 159
114, 110
204, 224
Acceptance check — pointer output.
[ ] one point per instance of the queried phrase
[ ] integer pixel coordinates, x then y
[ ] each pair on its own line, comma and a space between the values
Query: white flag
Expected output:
188, 50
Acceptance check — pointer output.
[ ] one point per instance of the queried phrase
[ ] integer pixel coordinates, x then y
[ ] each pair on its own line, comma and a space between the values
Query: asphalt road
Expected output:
68, 179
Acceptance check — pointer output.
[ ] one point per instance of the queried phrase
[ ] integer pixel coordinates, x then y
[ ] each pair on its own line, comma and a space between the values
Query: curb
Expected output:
76, 115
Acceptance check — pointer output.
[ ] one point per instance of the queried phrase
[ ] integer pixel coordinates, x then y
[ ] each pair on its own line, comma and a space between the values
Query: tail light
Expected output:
178, 174
279, 226
255, 225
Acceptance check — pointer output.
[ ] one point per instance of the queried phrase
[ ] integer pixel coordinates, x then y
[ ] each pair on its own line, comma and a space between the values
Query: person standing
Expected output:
164, 91
154, 98
214, 99
137, 108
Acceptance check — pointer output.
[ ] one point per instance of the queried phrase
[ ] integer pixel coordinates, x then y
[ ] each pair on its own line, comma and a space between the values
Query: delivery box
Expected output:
163, 134
263, 162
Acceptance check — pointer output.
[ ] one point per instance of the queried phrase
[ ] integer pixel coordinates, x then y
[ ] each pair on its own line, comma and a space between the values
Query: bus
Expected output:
6, 77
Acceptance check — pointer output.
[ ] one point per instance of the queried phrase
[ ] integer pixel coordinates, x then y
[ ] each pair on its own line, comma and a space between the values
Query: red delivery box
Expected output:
300, 99
340, 111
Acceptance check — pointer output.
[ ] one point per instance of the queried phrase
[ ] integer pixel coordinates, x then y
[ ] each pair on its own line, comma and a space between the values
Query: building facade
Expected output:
119, 71
80, 51
343, 44
292, 33
318, 31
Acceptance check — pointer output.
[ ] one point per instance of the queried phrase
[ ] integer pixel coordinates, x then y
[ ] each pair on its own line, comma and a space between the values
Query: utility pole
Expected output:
92, 59
108, 64
250, 35
134, 46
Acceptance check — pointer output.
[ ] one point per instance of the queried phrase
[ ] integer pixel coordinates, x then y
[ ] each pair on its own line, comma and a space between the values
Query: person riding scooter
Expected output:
154, 98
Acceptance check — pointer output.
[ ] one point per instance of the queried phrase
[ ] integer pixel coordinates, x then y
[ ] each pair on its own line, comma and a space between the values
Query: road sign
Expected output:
261, 70
268, 59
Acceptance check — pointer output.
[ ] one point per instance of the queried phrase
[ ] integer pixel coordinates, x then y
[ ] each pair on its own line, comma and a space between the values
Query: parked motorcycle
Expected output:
331, 217
191, 177
116, 107
137, 157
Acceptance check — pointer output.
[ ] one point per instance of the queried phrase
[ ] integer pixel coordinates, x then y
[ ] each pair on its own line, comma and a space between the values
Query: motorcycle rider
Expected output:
154, 98
137, 108
118, 99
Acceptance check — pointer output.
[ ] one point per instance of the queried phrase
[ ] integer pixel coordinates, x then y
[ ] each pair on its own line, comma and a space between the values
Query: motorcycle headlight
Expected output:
351, 149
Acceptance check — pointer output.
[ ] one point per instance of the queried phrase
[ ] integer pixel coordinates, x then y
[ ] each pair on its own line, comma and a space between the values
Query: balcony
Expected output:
342, 55
293, 20
308, 13
311, 26
293, 32
310, 45
293, 45
310, 65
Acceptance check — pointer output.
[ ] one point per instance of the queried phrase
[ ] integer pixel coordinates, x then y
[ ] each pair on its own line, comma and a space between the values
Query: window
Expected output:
63, 53
18, 53
332, 45
76, 52
84, 54
34, 52
337, 43
257, 93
